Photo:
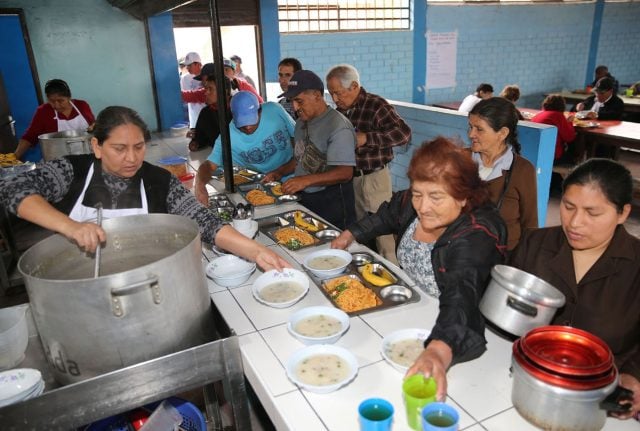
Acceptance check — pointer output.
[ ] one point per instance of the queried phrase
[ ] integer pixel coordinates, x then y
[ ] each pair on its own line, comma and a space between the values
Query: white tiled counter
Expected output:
480, 390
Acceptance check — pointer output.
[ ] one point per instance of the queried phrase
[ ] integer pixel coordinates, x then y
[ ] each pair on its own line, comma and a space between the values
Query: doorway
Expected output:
237, 40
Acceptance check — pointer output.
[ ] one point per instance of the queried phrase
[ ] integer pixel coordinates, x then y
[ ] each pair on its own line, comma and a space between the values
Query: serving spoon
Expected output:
96, 268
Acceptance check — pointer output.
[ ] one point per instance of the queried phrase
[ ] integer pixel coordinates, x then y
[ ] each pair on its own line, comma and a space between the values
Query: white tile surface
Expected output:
232, 313
295, 413
262, 368
510, 420
483, 386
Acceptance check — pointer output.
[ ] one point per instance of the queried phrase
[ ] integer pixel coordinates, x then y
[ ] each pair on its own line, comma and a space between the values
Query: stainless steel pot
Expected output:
553, 408
517, 301
60, 144
150, 300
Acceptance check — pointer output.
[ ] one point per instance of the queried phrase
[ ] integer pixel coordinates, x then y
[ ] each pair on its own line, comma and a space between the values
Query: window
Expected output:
302, 16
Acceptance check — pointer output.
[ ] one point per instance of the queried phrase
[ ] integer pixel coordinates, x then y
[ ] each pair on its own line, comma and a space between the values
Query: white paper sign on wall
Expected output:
442, 51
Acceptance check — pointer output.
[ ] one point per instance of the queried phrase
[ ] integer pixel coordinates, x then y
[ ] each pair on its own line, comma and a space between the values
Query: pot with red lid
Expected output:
564, 379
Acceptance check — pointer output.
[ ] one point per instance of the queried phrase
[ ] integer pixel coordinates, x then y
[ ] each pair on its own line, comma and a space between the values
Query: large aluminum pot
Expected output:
151, 298
517, 301
58, 144
554, 408
564, 379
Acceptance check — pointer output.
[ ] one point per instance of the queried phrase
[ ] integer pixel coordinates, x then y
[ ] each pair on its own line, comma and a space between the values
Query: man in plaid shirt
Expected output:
379, 128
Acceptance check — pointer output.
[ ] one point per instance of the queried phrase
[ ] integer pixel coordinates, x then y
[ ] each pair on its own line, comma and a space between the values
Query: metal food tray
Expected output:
324, 234
249, 175
279, 199
395, 294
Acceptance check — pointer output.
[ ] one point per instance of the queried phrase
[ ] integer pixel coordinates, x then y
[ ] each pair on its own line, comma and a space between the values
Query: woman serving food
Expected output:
449, 237
63, 194
60, 113
594, 262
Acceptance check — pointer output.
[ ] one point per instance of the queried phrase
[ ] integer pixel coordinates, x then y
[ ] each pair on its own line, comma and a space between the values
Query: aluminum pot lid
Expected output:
576, 383
527, 286
567, 351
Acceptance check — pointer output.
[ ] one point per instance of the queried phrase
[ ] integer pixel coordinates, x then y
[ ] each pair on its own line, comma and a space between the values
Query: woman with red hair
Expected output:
450, 235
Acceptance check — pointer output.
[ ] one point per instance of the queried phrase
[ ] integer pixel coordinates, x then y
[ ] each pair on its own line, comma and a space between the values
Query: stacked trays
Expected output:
296, 230
20, 384
365, 286
269, 194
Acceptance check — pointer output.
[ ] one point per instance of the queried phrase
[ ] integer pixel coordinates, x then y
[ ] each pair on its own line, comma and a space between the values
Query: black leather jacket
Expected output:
462, 259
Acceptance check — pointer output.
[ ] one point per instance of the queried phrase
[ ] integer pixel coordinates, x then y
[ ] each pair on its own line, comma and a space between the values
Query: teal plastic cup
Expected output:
375, 414
439, 417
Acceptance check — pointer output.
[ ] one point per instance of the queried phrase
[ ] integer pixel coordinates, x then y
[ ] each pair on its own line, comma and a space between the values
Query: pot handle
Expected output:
613, 402
117, 292
523, 308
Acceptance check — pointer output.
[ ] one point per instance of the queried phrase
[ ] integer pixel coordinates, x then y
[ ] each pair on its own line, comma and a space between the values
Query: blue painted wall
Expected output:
541, 47
99, 50
384, 59
16, 73
165, 65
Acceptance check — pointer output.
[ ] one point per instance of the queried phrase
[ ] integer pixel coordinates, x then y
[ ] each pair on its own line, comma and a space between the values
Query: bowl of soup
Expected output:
322, 368
327, 263
318, 325
401, 348
280, 289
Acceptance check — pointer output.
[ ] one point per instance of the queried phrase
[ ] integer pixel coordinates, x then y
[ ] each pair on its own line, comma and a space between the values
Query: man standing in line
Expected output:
188, 85
260, 136
286, 68
324, 154
379, 128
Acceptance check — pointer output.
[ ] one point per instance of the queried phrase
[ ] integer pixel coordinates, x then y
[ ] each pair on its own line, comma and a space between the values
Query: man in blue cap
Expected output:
325, 143
261, 139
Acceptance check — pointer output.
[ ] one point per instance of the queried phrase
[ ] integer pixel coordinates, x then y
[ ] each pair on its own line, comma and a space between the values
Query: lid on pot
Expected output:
567, 350
567, 357
527, 286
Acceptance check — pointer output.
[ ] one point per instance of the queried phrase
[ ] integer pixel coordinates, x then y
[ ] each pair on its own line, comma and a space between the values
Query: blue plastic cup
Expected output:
439, 417
375, 414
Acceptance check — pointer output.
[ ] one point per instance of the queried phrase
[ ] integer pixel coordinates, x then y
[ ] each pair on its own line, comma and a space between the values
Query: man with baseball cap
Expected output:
189, 85
605, 103
324, 153
261, 139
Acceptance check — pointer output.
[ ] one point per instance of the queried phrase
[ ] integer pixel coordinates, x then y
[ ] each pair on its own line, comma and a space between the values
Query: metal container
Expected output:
561, 378
517, 301
58, 144
151, 298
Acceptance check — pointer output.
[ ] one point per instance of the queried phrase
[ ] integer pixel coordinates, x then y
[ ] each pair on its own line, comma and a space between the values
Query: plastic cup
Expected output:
241, 224
439, 417
417, 391
375, 414
629, 92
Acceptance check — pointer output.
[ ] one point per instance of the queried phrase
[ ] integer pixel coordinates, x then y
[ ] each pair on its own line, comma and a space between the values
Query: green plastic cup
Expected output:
417, 391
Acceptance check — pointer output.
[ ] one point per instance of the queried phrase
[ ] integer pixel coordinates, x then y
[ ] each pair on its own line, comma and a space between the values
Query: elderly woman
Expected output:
595, 262
60, 113
63, 194
449, 237
553, 108
512, 179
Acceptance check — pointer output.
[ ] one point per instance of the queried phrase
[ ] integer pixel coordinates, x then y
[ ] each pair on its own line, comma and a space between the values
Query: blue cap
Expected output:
301, 81
245, 107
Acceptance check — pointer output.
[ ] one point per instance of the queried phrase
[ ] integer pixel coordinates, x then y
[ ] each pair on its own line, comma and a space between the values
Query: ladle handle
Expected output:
96, 268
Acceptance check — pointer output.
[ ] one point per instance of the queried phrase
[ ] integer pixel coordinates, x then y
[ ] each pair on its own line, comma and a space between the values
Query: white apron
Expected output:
76, 123
81, 213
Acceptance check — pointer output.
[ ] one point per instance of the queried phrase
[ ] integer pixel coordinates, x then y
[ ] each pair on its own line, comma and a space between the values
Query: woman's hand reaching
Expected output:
434, 362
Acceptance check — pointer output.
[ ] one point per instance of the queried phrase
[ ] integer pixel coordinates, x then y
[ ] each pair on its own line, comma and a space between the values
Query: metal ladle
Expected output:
96, 268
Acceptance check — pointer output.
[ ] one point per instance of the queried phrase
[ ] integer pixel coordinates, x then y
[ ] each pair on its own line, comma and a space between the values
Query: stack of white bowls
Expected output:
20, 384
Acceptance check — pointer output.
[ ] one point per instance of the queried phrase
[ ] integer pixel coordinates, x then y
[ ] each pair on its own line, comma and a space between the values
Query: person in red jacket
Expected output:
553, 108
60, 113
